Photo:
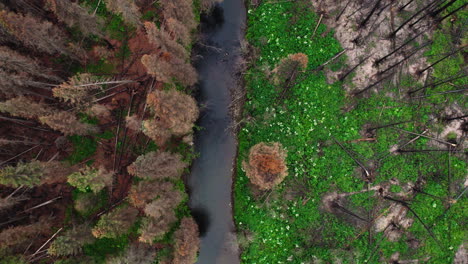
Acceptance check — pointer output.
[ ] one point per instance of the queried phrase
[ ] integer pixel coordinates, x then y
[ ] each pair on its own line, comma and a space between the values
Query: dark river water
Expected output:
210, 180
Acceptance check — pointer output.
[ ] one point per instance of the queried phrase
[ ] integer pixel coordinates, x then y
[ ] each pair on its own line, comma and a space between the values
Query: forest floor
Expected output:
376, 152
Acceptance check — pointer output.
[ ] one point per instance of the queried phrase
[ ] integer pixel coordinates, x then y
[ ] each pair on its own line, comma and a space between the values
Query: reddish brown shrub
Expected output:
290, 66
266, 166
186, 242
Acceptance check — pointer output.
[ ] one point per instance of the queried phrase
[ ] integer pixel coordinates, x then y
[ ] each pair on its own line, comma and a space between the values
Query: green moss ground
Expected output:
275, 229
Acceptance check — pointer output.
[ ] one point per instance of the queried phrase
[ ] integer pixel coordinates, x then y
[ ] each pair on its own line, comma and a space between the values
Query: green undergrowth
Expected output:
290, 225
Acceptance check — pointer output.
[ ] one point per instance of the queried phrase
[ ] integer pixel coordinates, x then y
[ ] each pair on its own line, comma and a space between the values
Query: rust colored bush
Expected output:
290, 66
186, 242
158, 165
266, 166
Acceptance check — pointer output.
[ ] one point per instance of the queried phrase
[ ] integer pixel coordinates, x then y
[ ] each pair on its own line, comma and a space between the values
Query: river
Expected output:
211, 177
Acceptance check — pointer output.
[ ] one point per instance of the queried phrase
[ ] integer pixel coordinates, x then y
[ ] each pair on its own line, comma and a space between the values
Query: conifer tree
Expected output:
115, 223
19, 235
68, 124
176, 28
79, 89
164, 203
33, 33
136, 253
89, 178
28, 174
72, 241
13, 61
145, 191
155, 228
85, 202
186, 242
168, 69
127, 9
24, 107
176, 110
158, 165
164, 41
10, 201
72, 14
181, 10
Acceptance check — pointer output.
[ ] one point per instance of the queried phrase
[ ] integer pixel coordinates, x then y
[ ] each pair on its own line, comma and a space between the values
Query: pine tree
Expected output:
72, 241
85, 202
156, 130
10, 201
266, 166
115, 223
207, 5
20, 235
42, 36
164, 203
145, 191
158, 165
79, 89
28, 174
164, 41
181, 10
176, 28
136, 253
178, 111
92, 179
186, 242
24, 107
169, 69
133, 122
156, 228
12, 61
16, 84
127, 9
68, 124
72, 14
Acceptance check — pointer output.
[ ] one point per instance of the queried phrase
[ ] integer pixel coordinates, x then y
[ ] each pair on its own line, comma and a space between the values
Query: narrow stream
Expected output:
211, 175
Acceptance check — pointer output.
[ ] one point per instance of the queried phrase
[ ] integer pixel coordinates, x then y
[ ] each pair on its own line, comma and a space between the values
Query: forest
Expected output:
350, 131
96, 130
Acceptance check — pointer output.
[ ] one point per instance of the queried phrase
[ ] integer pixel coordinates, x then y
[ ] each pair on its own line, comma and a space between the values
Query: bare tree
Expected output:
72, 241
24, 107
